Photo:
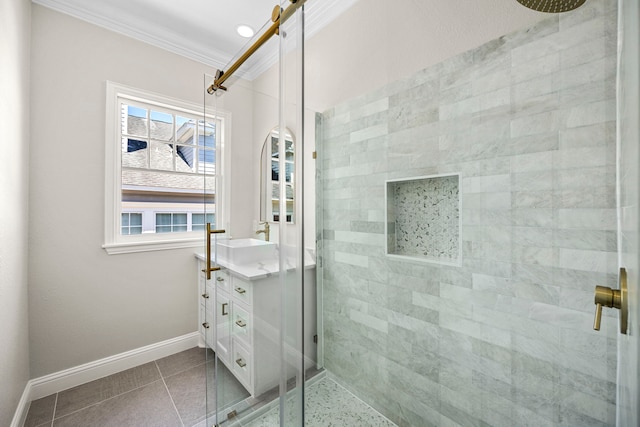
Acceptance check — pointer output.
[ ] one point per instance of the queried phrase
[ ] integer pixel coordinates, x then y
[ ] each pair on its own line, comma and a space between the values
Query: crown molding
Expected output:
318, 13
208, 56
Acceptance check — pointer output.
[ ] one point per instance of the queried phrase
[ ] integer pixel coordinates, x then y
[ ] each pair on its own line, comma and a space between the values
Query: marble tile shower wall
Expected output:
528, 120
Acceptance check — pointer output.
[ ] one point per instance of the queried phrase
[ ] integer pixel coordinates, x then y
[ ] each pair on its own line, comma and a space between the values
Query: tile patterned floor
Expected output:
170, 392
167, 392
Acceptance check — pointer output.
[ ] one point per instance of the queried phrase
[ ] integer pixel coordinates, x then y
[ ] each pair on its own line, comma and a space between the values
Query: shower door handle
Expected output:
208, 269
614, 298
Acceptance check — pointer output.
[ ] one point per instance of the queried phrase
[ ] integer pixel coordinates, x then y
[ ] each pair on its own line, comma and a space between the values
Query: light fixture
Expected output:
245, 31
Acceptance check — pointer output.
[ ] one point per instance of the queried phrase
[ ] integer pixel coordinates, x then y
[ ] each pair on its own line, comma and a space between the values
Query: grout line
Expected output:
161, 377
55, 406
179, 372
109, 398
171, 397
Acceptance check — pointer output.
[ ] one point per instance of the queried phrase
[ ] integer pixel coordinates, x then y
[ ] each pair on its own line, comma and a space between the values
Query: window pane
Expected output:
180, 219
161, 156
275, 170
207, 134
134, 153
136, 219
288, 171
163, 229
180, 228
198, 221
135, 230
206, 161
161, 126
124, 230
186, 158
185, 130
289, 150
134, 120
274, 147
163, 219
125, 219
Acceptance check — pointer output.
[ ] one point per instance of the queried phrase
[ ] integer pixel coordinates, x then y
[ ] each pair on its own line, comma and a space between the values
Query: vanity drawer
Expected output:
223, 327
242, 291
223, 281
241, 325
241, 363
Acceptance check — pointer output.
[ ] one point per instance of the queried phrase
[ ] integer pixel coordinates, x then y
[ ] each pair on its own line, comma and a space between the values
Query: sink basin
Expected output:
245, 251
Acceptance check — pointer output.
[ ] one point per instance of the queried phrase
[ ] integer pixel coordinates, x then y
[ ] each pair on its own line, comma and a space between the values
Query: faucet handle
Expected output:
614, 298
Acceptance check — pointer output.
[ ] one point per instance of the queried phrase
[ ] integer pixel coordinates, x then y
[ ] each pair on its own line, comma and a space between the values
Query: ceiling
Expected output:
203, 30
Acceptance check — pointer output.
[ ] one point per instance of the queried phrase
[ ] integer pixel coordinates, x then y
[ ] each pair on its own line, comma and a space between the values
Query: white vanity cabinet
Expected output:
246, 327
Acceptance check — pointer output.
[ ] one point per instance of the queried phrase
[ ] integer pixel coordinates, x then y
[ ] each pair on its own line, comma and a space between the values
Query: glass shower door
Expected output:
628, 413
255, 347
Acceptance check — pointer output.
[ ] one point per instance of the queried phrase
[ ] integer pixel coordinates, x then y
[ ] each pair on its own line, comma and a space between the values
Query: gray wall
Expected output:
85, 304
506, 339
14, 187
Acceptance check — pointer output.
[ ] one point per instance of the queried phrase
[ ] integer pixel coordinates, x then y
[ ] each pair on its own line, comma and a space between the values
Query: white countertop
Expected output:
259, 270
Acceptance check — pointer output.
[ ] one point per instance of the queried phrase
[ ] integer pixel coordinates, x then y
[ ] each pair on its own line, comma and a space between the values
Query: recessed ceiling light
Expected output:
245, 31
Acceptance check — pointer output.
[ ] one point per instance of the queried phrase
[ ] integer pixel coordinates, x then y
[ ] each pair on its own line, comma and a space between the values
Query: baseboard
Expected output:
22, 410
62, 380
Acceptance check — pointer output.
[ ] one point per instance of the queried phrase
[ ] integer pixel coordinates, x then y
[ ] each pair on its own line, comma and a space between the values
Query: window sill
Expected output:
148, 246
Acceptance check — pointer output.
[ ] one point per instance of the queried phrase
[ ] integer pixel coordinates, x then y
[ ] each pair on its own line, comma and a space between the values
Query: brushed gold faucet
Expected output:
265, 231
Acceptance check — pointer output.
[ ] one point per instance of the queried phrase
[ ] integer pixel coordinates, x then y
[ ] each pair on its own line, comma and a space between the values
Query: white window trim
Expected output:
114, 242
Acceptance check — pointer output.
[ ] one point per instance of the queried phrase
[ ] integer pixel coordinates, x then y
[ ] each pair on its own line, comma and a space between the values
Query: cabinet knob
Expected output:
220, 279
241, 363
240, 290
206, 325
205, 295
241, 323
224, 309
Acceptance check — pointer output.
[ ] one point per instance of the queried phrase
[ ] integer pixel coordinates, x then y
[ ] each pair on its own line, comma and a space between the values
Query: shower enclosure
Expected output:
461, 204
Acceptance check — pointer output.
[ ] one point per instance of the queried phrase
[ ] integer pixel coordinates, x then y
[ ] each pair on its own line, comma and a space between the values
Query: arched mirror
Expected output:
273, 169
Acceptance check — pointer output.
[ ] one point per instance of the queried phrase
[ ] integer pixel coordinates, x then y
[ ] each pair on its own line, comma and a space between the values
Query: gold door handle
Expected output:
208, 269
613, 298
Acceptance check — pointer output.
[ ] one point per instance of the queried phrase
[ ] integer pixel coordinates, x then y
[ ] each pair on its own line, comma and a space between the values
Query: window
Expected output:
131, 223
199, 221
171, 222
276, 167
164, 163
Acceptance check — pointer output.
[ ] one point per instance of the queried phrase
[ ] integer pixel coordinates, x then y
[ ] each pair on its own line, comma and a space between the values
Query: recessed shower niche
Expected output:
423, 218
